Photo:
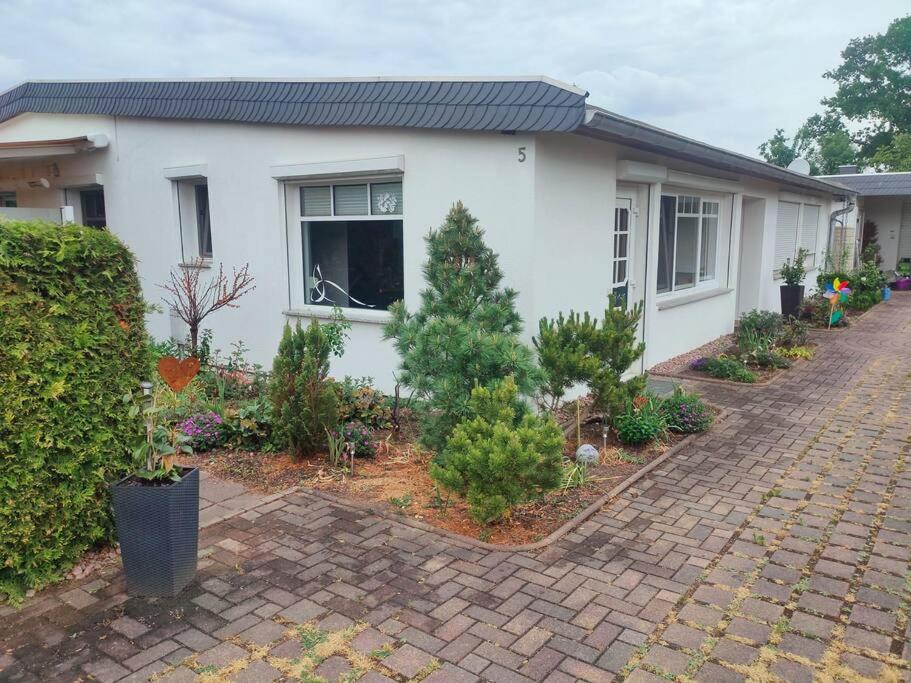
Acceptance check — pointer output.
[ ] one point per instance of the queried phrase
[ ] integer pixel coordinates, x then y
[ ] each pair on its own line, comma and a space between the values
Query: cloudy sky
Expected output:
724, 71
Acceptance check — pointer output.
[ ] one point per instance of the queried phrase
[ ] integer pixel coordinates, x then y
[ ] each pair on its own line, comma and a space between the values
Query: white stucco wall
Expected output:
886, 213
549, 216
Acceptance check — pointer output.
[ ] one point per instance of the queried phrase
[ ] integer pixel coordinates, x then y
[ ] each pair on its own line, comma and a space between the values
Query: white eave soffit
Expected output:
392, 165
642, 172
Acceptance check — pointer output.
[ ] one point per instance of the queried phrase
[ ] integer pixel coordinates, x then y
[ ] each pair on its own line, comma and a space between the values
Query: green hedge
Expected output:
72, 343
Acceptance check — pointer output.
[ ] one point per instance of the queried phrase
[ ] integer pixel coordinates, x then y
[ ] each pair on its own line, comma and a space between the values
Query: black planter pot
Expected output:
791, 298
158, 530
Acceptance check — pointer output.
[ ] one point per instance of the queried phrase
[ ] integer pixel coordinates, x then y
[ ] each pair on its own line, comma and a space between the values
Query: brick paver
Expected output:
776, 546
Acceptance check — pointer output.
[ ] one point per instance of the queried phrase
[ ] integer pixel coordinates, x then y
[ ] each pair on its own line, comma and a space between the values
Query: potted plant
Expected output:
792, 289
156, 509
903, 276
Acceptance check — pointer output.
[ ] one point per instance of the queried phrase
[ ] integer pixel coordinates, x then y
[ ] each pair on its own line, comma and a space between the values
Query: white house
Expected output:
883, 203
327, 188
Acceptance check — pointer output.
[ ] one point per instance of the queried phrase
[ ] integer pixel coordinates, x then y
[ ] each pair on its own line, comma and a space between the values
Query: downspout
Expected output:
835, 217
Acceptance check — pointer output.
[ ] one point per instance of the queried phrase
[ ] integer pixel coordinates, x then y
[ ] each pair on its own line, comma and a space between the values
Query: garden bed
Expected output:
397, 480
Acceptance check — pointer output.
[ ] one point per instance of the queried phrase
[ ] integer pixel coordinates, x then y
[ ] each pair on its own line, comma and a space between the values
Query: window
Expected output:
203, 224
687, 242
351, 244
797, 227
93, 208
8, 199
195, 218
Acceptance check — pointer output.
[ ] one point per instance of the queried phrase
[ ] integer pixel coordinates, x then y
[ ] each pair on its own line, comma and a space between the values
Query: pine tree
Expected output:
465, 333
303, 396
500, 455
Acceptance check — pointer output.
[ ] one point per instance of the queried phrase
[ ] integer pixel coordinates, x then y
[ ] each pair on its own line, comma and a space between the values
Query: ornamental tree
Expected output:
466, 332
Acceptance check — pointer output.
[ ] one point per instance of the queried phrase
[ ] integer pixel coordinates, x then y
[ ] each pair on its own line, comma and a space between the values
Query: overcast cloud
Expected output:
726, 72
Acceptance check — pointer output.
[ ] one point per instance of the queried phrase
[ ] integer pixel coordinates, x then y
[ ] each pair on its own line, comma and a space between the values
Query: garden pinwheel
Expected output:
837, 293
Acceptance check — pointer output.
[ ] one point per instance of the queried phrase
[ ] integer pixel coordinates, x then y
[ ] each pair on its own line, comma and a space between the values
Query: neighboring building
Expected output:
883, 199
327, 189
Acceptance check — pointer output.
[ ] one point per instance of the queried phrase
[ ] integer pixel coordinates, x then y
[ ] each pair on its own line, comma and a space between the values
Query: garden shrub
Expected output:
794, 332
359, 401
579, 349
360, 437
725, 367
497, 459
248, 425
686, 413
72, 344
303, 397
641, 422
466, 332
764, 325
205, 431
795, 352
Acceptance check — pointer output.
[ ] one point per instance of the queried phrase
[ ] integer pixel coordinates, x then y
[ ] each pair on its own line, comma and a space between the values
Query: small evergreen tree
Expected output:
303, 396
464, 334
497, 459
579, 349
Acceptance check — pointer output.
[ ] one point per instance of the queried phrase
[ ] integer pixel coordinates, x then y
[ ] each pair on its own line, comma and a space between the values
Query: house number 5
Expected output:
521, 154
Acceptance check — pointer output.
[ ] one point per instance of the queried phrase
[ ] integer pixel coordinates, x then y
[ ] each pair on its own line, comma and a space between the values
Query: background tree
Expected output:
466, 332
194, 299
865, 120
874, 85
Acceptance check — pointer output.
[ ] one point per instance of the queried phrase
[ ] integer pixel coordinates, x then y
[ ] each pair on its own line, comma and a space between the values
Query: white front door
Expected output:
627, 274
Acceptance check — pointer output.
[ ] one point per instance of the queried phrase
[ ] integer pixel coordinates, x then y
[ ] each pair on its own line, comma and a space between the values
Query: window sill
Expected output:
692, 297
199, 264
355, 315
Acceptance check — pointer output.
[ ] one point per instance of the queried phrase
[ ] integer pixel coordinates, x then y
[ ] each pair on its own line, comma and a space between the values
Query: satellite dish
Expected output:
800, 166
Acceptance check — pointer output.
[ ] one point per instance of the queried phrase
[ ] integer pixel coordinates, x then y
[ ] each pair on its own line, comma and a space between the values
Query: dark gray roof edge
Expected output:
523, 103
602, 123
885, 184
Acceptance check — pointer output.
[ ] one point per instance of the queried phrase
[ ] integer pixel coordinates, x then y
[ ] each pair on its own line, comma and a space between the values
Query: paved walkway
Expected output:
777, 546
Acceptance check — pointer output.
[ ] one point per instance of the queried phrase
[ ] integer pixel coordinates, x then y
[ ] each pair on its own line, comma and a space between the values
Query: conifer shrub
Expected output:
72, 344
500, 455
465, 333
579, 349
304, 399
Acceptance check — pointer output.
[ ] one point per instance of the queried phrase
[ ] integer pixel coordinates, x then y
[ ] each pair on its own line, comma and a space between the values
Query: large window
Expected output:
797, 227
351, 239
8, 199
687, 242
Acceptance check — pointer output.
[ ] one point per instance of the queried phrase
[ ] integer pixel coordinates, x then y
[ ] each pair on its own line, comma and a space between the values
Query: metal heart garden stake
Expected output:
178, 373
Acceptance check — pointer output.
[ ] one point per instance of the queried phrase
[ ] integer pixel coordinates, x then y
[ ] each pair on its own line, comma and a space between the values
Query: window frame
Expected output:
698, 283
297, 247
186, 212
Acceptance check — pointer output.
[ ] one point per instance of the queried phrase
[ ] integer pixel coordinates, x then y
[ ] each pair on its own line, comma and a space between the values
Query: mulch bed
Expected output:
397, 478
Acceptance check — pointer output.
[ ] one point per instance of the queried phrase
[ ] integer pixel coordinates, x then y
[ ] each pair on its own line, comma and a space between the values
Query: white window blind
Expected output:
904, 234
351, 200
316, 201
809, 229
786, 232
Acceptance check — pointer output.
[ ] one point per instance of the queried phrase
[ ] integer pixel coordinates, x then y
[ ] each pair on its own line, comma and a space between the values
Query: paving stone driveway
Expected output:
777, 546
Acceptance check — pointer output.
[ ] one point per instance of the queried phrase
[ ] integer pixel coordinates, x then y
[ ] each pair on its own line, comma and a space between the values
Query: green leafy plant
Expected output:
359, 401
795, 352
624, 456
575, 474
248, 424
303, 396
499, 456
641, 423
580, 349
337, 449
154, 456
794, 272
794, 332
726, 367
686, 413
72, 344
466, 332
402, 502
764, 326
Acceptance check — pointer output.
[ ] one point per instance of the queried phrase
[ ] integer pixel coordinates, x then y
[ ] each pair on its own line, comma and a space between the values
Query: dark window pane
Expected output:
355, 264
93, 208
666, 243
203, 224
